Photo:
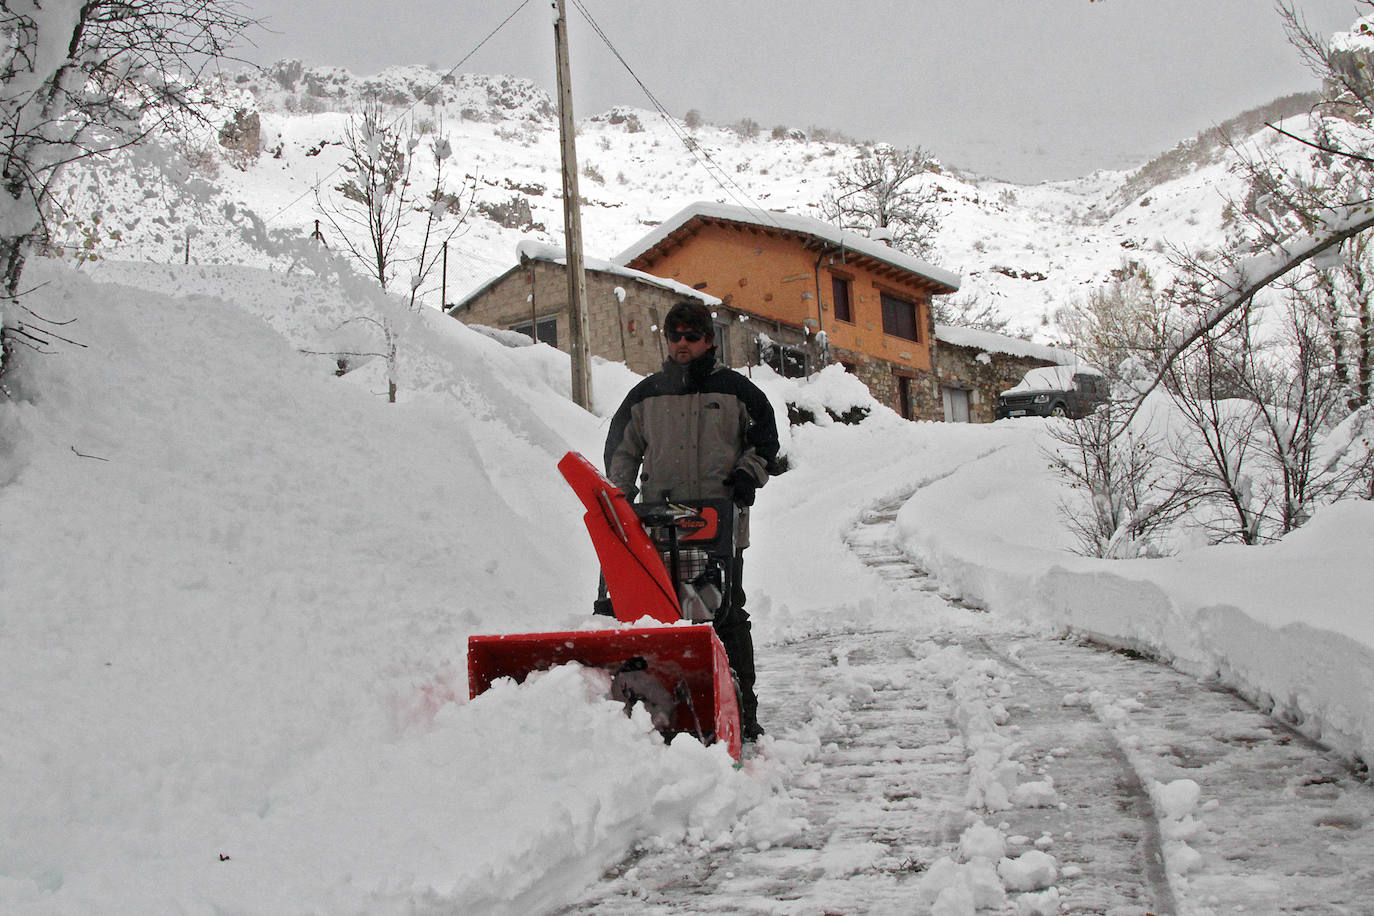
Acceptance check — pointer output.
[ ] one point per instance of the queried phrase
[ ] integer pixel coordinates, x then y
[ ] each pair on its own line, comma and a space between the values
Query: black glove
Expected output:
741, 485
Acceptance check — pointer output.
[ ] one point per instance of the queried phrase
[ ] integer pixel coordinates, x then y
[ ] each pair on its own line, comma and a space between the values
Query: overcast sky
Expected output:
1018, 89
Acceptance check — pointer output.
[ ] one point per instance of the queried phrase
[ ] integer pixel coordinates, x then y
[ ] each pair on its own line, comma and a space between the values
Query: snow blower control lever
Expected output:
697, 543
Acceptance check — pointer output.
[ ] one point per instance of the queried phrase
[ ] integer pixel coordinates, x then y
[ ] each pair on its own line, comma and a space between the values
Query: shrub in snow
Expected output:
1124, 497
829, 396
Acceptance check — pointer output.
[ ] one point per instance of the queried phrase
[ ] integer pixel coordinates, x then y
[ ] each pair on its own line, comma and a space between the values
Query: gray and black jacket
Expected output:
684, 429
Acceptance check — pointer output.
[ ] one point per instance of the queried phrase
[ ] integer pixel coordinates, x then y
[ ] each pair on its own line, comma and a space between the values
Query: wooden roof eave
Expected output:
891, 272
894, 274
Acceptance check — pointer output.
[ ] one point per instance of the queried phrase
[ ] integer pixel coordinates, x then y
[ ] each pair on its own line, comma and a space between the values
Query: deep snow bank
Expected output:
235, 593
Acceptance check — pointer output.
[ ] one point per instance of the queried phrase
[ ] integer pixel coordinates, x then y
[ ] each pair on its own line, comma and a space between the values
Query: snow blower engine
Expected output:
666, 562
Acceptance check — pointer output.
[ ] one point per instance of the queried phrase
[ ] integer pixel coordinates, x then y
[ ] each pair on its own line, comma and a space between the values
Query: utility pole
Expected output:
579, 331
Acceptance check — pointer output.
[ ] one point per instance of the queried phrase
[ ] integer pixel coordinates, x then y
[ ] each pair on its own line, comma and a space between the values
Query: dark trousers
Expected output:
736, 636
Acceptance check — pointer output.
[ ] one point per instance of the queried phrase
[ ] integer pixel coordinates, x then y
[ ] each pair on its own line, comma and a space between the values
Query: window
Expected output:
839, 291
899, 317
545, 330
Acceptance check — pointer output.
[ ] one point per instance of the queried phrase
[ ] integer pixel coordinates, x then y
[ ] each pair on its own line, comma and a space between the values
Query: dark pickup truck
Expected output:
1054, 391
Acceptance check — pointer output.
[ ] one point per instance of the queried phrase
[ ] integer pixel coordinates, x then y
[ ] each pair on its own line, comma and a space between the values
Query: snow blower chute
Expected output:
679, 670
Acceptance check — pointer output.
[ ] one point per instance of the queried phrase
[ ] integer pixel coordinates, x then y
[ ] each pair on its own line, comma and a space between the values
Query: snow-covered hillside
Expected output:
1025, 250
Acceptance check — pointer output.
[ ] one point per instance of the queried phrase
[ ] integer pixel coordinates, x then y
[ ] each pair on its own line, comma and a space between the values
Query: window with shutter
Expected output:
899, 317
839, 292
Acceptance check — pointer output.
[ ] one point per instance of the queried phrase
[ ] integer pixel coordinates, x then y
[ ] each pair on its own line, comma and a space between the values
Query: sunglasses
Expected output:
689, 336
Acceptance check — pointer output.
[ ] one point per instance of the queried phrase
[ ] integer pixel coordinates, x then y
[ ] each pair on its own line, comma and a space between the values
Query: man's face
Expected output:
684, 349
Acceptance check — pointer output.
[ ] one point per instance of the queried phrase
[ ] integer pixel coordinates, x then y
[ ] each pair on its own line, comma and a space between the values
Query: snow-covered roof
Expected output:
791, 222
539, 251
992, 342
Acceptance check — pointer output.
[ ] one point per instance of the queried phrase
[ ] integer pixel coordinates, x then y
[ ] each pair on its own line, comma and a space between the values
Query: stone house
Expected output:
860, 302
624, 308
793, 292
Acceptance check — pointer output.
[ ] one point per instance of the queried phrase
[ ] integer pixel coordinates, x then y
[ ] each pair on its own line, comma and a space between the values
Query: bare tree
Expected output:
1126, 495
1293, 388
377, 195
445, 213
1122, 329
885, 190
1344, 132
377, 200
968, 311
79, 78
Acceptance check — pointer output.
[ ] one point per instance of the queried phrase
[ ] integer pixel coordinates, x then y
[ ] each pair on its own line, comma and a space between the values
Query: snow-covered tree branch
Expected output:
1237, 286
85, 77
1296, 218
79, 78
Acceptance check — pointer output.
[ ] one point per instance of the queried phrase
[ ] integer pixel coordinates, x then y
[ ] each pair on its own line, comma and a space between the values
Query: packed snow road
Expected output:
959, 765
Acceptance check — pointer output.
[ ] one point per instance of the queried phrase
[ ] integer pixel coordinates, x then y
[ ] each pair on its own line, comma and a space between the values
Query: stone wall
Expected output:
884, 381
981, 373
624, 315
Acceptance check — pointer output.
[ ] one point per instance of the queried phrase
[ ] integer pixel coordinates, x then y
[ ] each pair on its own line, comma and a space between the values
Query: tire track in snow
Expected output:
1279, 824
1272, 823
1094, 808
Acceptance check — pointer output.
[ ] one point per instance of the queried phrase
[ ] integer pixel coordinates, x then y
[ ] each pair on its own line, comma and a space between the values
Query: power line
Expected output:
699, 152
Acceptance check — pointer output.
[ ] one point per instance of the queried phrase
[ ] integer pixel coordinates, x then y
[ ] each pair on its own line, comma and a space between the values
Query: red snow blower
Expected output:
656, 560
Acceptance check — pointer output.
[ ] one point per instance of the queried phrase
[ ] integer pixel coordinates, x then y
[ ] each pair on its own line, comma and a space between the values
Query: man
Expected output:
700, 431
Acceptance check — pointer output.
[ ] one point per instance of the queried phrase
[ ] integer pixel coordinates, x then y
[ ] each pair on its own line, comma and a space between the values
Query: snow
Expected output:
1031, 871
235, 589
1285, 624
1025, 250
992, 342
1050, 378
236, 592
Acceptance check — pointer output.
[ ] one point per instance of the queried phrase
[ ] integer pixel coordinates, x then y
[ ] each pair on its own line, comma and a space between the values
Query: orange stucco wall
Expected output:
776, 277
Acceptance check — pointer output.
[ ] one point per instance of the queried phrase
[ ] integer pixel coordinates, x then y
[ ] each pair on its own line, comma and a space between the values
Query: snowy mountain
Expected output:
1025, 250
